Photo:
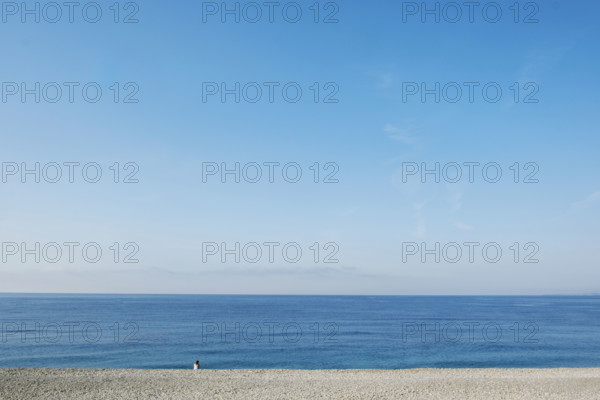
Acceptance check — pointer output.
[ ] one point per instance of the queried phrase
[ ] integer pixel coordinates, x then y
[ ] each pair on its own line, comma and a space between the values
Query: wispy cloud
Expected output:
455, 200
586, 203
399, 134
463, 226
384, 80
348, 211
283, 270
540, 60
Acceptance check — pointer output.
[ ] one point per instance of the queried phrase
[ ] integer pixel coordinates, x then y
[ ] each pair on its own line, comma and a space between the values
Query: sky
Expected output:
383, 149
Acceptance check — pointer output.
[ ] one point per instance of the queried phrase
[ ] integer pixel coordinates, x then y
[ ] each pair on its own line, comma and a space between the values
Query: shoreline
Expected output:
430, 383
304, 369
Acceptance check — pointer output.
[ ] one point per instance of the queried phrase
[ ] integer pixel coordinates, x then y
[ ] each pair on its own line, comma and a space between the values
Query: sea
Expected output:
298, 332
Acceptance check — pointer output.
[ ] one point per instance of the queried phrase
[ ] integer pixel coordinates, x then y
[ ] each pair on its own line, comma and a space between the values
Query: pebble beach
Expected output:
561, 383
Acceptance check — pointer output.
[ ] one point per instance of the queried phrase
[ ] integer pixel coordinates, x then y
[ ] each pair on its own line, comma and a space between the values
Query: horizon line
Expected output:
299, 294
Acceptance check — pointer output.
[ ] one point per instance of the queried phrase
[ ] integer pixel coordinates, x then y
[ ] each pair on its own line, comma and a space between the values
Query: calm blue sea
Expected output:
300, 332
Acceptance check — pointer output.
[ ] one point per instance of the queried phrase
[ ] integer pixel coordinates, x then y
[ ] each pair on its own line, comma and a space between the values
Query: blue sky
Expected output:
369, 133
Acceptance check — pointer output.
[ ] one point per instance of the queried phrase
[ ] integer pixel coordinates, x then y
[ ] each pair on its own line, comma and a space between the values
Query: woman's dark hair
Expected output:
197, 362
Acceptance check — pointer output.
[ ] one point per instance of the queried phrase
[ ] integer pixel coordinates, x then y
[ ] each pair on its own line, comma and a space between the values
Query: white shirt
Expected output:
195, 366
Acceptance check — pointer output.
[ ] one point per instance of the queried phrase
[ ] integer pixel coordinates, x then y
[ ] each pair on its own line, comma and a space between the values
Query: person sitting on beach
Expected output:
197, 365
